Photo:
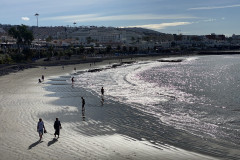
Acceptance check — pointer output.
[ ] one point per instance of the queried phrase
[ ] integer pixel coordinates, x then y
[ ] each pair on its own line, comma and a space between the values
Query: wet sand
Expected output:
24, 101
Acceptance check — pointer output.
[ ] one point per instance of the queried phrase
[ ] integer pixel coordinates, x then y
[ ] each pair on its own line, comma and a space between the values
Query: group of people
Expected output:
57, 124
41, 80
83, 100
41, 128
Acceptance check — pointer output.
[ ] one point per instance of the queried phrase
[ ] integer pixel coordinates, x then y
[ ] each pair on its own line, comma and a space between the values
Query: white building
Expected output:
101, 35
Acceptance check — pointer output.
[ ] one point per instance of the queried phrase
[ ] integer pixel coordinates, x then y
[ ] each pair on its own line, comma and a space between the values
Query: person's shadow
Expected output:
54, 140
34, 144
83, 115
102, 100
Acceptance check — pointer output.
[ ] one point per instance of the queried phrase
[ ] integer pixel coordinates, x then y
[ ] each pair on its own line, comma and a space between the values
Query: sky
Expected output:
189, 17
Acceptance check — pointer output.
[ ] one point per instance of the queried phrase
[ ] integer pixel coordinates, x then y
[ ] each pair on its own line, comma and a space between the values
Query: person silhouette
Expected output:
72, 79
83, 104
102, 91
40, 127
57, 127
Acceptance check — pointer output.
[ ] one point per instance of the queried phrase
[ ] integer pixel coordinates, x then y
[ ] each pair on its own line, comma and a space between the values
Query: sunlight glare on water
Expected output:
196, 95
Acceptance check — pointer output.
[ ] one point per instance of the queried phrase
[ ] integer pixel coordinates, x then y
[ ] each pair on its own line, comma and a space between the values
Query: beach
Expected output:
94, 135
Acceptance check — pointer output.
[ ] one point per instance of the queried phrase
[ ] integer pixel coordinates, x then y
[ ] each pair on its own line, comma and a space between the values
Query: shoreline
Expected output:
27, 100
210, 148
11, 68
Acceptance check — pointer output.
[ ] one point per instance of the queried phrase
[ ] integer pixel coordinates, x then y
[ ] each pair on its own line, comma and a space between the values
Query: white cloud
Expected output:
206, 20
96, 17
162, 25
214, 7
25, 18
210, 20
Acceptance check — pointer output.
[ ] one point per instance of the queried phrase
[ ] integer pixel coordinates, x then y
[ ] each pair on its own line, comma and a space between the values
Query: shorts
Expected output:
40, 131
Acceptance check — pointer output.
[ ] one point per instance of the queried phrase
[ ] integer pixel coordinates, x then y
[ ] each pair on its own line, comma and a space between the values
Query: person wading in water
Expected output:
83, 104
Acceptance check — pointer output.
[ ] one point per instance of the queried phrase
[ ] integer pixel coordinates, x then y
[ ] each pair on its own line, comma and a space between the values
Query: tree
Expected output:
50, 52
49, 39
173, 44
69, 53
130, 49
28, 53
7, 59
135, 49
22, 35
118, 48
124, 48
89, 39
1, 60
81, 49
92, 49
108, 49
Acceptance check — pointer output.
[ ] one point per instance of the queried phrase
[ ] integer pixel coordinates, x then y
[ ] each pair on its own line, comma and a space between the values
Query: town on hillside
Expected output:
60, 41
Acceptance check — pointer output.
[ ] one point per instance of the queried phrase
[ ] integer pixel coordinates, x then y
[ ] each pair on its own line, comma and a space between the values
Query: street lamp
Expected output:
37, 18
38, 37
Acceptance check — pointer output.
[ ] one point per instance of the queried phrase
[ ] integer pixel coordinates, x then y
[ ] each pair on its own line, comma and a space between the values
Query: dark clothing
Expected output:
102, 91
57, 127
83, 103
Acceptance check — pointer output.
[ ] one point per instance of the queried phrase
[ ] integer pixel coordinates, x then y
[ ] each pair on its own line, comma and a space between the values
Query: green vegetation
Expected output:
23, 53
21, 34
49, 39
5, 59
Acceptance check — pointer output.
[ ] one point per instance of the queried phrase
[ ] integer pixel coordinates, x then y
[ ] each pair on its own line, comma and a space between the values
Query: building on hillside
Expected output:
235, 39
98, 35
213, 36
45, 32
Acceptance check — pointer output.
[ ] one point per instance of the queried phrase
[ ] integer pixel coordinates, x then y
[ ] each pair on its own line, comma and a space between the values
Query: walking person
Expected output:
40, 128
57, 127
102, 97
102, 91
83, 104
72, 79
42, 77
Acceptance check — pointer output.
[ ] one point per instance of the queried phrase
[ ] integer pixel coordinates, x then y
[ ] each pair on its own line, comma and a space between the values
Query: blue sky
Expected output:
192, 17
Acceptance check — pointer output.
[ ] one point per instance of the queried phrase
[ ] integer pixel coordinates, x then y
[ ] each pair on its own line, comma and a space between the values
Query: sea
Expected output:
192, 104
